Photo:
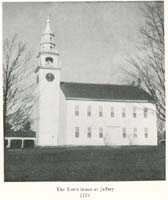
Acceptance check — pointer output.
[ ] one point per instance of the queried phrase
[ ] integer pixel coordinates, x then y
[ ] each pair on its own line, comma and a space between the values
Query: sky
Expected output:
93, 38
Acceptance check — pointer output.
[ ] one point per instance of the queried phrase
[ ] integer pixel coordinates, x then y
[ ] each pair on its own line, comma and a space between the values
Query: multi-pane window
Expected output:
123, 112
134, 112
89, 110
135, 133
89, 132
100, 132
124, 132
112, 112
77, 132
77, 110
145, 112
146, 132
100, 111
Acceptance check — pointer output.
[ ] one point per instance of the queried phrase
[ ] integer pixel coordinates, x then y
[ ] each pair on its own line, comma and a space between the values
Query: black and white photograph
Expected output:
84, 91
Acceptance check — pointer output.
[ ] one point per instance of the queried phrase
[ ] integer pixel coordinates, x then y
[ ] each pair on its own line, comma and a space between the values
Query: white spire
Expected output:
48, 19
48, 29
47, 39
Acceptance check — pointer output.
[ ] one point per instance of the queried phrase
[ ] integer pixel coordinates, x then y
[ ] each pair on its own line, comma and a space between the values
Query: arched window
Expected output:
49, 59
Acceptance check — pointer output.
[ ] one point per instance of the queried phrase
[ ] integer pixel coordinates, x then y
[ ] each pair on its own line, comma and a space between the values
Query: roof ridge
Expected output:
62, 82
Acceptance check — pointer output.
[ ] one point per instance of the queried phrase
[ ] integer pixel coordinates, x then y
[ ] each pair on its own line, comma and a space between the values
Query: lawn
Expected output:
85, 164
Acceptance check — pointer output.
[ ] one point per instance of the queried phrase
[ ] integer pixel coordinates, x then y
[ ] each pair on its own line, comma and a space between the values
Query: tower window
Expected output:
50, 47
49, 59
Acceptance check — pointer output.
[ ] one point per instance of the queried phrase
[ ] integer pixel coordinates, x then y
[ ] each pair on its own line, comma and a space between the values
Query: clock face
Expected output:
50, 77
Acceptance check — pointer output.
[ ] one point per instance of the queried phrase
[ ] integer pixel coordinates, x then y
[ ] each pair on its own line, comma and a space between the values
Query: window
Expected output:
49, 59
123, 112
100, 111
146, 132
135, 133
50, 47
134, 112
100, 132
77, 132
112, 112
89, 132
145, 112
77, 110
89, 111
124, 132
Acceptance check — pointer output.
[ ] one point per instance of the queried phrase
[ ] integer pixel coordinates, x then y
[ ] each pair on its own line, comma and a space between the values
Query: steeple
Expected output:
47, 40
48, 80
48, 29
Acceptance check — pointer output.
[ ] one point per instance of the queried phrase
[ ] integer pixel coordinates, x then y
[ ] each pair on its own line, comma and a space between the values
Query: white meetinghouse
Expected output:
86, 113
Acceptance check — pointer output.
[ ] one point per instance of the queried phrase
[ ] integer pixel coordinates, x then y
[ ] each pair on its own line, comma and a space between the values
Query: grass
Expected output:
85, 164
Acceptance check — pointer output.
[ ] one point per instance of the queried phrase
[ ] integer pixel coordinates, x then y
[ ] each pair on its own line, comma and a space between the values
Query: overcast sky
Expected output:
93, 38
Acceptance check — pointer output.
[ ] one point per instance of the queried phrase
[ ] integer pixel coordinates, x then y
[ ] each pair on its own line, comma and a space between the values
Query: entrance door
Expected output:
112, 135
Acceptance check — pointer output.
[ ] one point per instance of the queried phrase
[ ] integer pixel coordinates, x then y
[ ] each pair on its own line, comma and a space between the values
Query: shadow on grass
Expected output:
85, 164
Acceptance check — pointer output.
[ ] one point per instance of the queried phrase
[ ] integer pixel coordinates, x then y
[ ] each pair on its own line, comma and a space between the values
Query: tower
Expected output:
48, 80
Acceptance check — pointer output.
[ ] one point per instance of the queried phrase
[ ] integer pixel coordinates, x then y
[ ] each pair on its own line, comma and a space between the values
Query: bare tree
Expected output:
148, 64
17, 88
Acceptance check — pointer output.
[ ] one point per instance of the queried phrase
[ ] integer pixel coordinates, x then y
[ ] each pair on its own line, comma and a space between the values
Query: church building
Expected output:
85, 113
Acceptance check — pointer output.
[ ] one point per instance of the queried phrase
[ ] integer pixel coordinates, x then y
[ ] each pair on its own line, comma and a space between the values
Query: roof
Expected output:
11, 133
103, 92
